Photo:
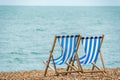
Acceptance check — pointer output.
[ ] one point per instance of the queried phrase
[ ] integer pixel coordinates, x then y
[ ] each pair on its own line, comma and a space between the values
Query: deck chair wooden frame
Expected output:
71, 66
51, 57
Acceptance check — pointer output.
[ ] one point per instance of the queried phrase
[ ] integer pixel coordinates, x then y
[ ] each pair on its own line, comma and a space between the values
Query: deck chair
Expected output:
69, 46
92, 49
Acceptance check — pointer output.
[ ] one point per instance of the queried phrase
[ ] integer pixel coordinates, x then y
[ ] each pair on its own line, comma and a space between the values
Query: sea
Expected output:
27, 33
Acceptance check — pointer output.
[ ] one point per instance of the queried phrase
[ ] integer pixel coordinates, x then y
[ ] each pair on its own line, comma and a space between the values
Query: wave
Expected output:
40, 29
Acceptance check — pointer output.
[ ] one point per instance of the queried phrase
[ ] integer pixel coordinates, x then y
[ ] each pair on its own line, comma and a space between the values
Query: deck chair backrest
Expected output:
68, 46
91, 47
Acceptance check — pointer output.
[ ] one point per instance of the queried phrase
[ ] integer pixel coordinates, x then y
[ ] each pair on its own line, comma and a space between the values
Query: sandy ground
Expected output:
112, 74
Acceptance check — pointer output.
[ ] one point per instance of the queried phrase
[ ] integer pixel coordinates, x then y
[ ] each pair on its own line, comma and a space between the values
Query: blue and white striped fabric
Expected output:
68, 45
91, 47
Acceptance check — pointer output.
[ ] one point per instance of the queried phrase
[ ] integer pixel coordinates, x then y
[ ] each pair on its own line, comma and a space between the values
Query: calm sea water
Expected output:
27, 33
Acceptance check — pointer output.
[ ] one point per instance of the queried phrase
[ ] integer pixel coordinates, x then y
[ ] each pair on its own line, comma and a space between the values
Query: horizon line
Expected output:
55, 5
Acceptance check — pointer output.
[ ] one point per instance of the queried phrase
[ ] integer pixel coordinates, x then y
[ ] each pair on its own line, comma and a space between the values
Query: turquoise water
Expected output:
27, 33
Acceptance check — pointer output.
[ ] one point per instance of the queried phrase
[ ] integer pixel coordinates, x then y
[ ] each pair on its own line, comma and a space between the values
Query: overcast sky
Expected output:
62, 2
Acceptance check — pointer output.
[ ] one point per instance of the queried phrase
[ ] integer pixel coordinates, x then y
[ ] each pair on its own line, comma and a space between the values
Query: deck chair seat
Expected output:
91, 47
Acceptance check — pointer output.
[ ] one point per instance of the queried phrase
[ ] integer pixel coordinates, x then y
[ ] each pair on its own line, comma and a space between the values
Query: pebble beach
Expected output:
112, 74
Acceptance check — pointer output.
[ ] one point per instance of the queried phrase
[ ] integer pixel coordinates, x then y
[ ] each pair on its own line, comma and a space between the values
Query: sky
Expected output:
62, 2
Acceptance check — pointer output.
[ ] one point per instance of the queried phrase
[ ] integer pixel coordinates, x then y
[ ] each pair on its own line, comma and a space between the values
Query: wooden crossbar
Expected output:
68, 36
48, 66
75, 71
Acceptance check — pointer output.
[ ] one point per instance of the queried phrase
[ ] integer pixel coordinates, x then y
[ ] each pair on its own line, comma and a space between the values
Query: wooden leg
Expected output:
72, 63
69, 63
51, 56
78, 62
47, 65
55, 66
93, 66
102, 60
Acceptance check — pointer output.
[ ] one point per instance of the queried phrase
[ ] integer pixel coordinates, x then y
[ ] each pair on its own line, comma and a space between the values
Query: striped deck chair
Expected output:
69, 46
92, 49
